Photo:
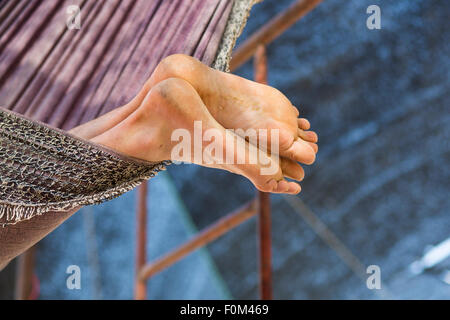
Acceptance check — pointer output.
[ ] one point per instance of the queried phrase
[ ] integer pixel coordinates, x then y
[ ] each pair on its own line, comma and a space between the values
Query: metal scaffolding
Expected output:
254, 46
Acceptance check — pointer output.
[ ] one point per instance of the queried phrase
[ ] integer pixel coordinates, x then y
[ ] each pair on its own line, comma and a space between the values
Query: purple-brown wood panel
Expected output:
66, 77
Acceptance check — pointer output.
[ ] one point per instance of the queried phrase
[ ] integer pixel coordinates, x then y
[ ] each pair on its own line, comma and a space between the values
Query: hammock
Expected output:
53, 79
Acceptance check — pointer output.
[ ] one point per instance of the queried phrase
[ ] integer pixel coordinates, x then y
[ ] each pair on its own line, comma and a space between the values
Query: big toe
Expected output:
300, 151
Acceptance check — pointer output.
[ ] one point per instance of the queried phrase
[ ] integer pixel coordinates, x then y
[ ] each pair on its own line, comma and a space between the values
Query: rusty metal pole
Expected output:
141, 241
265, 247
271, 30
24, 275
264, 222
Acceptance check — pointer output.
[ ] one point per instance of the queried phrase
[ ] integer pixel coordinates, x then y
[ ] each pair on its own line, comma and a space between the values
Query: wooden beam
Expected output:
206, 236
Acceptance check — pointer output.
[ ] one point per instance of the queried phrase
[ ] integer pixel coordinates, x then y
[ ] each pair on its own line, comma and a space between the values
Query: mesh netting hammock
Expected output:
53, 77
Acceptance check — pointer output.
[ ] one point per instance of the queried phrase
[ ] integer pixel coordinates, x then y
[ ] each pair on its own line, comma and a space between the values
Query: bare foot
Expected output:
236, 102
173, 105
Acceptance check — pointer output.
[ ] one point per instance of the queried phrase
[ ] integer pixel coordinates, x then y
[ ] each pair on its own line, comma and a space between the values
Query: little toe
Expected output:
284, 186
269, 186
294, 188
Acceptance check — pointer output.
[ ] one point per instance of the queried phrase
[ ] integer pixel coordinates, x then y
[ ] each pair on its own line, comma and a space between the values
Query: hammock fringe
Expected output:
12, 213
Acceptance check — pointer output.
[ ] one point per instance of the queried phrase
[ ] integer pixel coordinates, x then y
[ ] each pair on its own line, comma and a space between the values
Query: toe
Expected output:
303, 124
300, 151
310, 136
314, 146
268, 186
292, 169
294, 188
284, 186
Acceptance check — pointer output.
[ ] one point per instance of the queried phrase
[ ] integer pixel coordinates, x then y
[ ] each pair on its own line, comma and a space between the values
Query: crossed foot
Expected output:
183, 92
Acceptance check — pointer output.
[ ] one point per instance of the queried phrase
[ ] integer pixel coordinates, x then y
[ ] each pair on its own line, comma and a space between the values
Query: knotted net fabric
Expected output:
54, 78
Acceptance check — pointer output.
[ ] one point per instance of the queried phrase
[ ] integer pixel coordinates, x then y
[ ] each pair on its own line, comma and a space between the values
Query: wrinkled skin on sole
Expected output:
182, 91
